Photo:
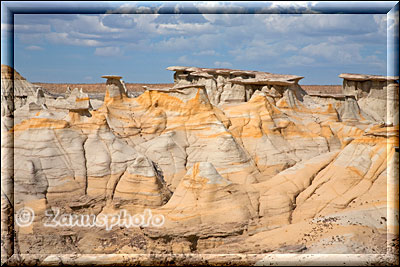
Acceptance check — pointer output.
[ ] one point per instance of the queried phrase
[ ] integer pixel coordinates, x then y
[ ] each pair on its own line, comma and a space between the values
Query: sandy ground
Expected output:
60, 88
327, 89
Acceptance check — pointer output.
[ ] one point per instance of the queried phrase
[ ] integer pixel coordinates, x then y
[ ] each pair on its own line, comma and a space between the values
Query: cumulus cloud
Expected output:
221, 40
169, 30
92, 24
134, 7
320, 25
209, 7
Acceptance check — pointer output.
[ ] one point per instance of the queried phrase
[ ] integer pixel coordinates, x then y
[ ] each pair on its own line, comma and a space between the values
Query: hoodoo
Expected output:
226, 86
233, 161
377, 95
115, 87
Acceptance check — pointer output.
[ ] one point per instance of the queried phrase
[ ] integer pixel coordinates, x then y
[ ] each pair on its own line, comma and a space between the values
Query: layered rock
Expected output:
238, 161
358, 173
232, 86
15, 90
377, 95
346, 106
185, 128
204, 196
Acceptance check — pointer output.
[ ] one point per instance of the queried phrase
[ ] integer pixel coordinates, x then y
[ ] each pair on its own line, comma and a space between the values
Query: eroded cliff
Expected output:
234, 161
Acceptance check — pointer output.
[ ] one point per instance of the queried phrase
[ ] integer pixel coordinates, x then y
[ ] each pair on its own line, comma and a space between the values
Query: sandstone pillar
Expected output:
114, 87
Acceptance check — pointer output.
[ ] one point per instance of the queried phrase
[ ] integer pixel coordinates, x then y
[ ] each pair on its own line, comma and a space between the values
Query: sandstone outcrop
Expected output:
235, 162
233, 86
15, 90
204, 196
377, 95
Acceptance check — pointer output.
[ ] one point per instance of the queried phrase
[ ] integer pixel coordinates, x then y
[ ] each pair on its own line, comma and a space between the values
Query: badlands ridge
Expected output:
236, 162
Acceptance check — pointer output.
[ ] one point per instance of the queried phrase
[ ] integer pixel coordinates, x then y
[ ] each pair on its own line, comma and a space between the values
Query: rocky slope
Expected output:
257, 168
15, 90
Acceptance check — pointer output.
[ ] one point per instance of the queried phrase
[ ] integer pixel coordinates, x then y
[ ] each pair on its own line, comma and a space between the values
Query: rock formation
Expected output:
234, 86
235, 161
15, 90
377, 95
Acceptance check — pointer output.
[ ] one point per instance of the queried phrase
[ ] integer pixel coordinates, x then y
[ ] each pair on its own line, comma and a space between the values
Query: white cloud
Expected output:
319, 25
108, 51
132, 7
293, 4
210, 4
34, 47
228, 19
184, 28
81, 35
38, 28
381, 21
66, 39
263, 39
207, 6
145, 22
92, 24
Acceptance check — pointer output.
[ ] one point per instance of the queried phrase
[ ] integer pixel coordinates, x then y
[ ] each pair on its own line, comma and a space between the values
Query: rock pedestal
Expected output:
375, 94
229, 86
115, 88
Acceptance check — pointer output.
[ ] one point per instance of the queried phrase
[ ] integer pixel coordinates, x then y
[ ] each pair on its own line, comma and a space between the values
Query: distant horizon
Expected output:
172, 82
130, 82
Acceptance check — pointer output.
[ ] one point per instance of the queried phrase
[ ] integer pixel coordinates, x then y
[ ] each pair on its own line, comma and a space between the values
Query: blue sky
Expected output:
82, 47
